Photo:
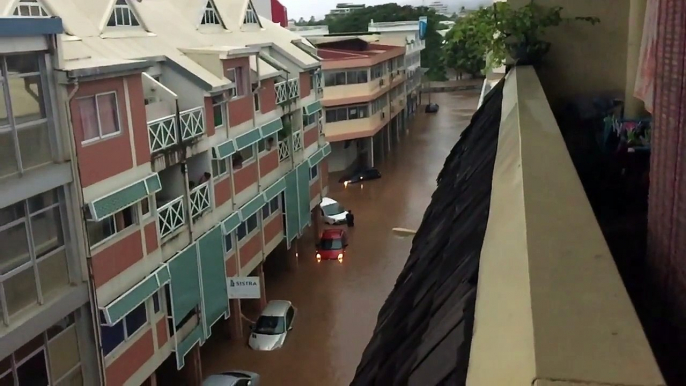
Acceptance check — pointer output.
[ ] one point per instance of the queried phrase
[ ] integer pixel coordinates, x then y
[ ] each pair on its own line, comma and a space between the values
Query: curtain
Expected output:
89, 119
107, 108
645, 80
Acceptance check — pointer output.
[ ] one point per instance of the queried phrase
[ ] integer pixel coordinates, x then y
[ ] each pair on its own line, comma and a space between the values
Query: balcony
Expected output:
284, 150
170, 217
200, 200
287, 90
192, 123
162, 133
294, 89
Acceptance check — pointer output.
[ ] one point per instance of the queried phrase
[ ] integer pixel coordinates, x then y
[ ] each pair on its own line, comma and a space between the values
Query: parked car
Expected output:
362, 175
431, 108
332, 245
272, 327
333, 212
233, 378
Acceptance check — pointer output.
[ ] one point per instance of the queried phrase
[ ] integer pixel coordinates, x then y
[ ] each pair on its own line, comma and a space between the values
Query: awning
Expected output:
252, 207
224, 150
122, 198
327, 149
275, 189
248, 139
195, 337
120, 307
312, 108
270, 128
316, 158
231, 223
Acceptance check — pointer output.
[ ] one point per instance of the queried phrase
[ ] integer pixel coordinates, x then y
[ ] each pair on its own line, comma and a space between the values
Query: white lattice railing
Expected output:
281, 92
162, 133
170, 217
284, 150
200, 199
293, 89
297, 140
192, 123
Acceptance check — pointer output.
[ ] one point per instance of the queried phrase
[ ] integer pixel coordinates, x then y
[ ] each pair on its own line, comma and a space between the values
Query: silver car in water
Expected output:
333, 213
233, 378
272, 327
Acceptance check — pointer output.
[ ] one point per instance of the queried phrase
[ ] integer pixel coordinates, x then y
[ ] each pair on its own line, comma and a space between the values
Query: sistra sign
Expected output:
243, 287
423, 22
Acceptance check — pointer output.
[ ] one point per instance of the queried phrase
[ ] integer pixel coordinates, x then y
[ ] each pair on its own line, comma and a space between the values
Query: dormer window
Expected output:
123, 15
251, 15
30, 8
210, 15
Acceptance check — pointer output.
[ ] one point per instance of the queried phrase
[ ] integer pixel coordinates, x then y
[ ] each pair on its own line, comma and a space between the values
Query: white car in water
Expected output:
333, 212
272, 327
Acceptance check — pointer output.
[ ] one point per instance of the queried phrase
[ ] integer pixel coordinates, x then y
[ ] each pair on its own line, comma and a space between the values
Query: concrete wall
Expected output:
341, 158
584, 59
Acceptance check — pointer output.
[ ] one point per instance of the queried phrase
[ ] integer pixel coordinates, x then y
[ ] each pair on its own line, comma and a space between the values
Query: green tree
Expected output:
358, 21
469, 41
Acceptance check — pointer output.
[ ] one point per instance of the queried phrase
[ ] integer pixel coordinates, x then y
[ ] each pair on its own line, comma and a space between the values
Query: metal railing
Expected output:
170, 217
284, 150
200, 199
293, 89
297, 140
192, 123
281, 92
162, 133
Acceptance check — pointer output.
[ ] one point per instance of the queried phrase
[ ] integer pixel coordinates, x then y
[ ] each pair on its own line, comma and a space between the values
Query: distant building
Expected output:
345, 8
439, 7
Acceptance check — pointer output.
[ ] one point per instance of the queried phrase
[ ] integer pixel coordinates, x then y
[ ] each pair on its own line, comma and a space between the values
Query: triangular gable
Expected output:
210, 16
123, 15
32, 8
251, 17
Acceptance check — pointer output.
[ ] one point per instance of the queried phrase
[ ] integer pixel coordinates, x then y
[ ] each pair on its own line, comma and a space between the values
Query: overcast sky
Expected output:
319, 8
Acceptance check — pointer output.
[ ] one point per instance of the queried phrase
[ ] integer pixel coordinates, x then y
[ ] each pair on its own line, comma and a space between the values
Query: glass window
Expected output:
274, 204
219, 167
265, 211
266, 144
156, 302
111, 337
243, 156
64, 353
329, 79
219, 110
122, 15
331, 116
256, 97
340, 78
228, 242
145, 206
270, 325
341, 114
34, 371
236, 76
314, 172
252, 223
241, 231
99, 116
135, 320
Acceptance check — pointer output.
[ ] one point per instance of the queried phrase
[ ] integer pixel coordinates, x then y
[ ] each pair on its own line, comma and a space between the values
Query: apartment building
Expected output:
46, 328
405, 33
344, 9
199, 139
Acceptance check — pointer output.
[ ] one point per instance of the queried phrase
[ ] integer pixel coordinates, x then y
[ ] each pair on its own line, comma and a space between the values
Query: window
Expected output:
156, 302
100, 231
256, 97
346, 113
236, 76
377, 71
24, 123
247, 227
219, 108
270, 208
41, 217
314, 172
30, 8
99, 116
313, 78
310, 119
266, 144
145, 207
348, 77
228, 242
220, 167
243, 157
113, 336
122, 15
210, 16
251, 15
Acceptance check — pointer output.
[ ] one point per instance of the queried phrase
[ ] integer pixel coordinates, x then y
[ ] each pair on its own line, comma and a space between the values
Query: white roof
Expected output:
167, 28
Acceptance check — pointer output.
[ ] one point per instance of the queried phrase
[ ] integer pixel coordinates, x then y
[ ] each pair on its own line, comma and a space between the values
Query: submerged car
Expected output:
332, 245
333, 212
431, 108
272, 327
233, 378
362, 175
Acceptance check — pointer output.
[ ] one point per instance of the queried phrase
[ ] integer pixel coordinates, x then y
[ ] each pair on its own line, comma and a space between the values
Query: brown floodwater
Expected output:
338, 303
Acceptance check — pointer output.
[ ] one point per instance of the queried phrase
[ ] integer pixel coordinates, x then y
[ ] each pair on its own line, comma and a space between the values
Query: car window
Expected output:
330, 244
333, 209
289, 316
270, 325
242, 382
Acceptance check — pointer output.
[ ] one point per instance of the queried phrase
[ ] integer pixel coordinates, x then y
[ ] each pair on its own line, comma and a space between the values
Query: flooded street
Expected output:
338, 303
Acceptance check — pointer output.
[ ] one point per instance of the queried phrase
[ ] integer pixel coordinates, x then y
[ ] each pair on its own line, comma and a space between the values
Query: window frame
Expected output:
314, 174
128, 336
227, 168
230, 236
246, 161
274, 146
238, 79
256, 98
117, 232
126, 7
223, 104
249, 234
100, 136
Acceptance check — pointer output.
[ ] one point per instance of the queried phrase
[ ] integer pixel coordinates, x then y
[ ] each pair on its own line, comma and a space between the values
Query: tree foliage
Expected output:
358, 21
468, 42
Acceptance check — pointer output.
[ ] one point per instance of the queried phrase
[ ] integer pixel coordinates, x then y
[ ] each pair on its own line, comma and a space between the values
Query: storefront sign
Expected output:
244, 287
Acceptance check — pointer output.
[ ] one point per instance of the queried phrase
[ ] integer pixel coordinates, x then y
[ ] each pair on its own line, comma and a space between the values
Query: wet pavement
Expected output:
338, 303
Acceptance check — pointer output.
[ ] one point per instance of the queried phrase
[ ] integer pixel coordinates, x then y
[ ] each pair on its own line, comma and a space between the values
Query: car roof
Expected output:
327, 201
219, 380
276, 308
333, 232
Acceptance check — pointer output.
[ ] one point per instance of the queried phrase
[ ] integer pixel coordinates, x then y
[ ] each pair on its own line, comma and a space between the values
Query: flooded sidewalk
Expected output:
337, 304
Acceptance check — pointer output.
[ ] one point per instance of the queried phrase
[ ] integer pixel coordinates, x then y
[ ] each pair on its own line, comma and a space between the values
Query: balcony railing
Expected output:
281, 92
162, 133
297, 140
200, 199
293, 89
171, 217
284, 150
192, 123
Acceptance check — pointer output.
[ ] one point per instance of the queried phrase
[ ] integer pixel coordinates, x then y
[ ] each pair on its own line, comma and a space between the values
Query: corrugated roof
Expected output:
424, 329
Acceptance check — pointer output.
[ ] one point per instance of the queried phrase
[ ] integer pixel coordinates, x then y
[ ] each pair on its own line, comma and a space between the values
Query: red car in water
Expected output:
332, 245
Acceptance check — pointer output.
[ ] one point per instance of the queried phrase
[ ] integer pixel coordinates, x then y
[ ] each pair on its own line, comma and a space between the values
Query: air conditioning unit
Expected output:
381, 82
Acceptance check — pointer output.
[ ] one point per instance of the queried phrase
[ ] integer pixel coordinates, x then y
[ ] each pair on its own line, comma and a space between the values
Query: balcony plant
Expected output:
520, 31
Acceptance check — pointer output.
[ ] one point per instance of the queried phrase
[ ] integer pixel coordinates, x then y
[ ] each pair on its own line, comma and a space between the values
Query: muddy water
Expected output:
338, 303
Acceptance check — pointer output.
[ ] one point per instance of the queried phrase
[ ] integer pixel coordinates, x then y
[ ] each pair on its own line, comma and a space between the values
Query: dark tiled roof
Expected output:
424, 330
